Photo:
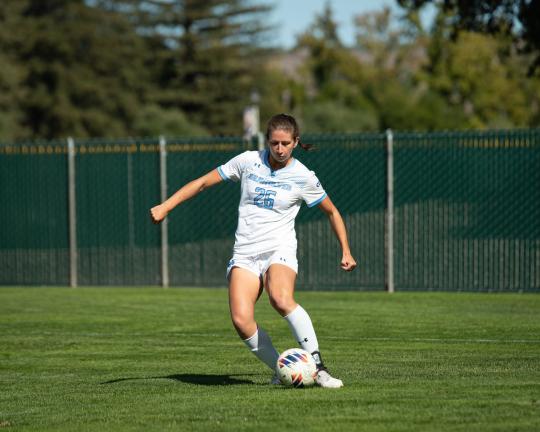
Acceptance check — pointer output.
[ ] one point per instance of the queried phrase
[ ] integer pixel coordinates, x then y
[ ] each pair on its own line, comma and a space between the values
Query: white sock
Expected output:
260, 344
302, 329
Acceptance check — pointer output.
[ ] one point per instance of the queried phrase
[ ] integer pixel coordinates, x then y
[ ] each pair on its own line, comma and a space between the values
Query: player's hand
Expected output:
158, 213
348, 263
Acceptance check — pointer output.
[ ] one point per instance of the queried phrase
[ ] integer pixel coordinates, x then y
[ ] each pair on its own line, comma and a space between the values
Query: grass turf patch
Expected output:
155, 359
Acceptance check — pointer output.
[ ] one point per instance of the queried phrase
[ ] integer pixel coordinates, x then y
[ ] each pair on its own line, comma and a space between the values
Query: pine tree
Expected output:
208, 60
82, 69
11, 72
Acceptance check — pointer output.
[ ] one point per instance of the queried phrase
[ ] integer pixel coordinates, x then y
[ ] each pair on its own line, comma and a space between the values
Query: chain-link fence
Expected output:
466, 212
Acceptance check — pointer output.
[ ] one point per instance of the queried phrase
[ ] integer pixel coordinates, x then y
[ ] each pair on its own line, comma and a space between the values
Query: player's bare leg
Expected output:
244, 290
243, 293
279, 283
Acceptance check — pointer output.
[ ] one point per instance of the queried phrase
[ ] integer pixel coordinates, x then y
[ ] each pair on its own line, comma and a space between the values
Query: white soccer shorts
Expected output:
259, 264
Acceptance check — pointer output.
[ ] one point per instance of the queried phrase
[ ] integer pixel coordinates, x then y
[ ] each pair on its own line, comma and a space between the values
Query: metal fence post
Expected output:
389, 246
72, 214
260, 141
164, 224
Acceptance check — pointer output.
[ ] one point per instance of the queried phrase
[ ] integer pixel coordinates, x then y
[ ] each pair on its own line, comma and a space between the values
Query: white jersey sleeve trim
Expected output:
223, 175
320, 200
312, 191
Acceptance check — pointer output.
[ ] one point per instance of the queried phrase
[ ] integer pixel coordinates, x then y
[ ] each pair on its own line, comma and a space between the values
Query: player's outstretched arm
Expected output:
160, 212
348, 263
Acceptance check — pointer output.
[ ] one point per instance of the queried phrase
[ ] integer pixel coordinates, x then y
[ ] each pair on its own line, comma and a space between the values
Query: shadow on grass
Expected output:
199, 379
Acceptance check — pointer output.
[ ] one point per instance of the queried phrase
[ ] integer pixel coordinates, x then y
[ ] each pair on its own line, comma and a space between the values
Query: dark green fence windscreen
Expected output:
466, 212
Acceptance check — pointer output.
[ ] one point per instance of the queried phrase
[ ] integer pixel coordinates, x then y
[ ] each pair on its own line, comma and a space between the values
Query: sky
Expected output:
294, 16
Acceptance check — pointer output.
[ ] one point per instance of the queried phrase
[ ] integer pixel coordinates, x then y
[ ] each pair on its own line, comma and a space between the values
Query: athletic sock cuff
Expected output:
252, 336
295, 310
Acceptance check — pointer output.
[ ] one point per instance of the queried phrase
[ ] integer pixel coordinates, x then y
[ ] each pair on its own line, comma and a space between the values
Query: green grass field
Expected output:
153, 359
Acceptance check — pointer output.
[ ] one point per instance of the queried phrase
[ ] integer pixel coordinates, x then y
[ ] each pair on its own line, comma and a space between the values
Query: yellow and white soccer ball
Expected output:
296, 368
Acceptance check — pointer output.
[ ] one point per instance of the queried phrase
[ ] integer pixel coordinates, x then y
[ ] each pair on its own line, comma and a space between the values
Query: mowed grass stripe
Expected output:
155, 359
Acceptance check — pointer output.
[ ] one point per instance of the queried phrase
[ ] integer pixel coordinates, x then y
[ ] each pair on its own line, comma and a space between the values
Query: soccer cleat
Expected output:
324, 379
275, 380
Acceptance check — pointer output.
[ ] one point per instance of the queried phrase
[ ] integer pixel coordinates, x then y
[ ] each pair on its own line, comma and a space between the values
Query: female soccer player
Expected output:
273, 186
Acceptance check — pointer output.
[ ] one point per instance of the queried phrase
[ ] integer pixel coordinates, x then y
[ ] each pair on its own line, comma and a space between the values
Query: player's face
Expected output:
281, 145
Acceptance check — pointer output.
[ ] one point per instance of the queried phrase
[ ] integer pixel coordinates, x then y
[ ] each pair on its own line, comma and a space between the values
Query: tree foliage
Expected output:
402, 76
519, 18
208, 62
185, 67
103, 68
81, 71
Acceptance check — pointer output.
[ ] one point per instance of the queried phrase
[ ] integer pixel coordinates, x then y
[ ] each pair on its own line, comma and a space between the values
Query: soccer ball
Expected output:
295, 367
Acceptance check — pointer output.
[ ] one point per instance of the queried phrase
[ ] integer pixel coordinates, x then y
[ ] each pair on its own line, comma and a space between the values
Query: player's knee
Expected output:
282, 302
243, 322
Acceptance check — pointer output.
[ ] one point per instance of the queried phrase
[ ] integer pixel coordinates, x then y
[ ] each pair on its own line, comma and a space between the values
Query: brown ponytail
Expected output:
305, 147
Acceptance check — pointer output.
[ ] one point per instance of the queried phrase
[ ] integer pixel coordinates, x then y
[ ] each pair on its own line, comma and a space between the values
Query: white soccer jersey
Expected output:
269, 201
